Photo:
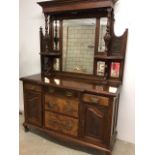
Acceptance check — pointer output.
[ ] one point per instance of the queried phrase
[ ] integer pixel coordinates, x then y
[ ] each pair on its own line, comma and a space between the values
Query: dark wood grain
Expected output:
62, 104
62, 124
33, 107
99, 100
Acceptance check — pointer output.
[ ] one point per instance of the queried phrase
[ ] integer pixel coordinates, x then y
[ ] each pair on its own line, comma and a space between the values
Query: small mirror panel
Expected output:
100, 68
115, 69
102, 32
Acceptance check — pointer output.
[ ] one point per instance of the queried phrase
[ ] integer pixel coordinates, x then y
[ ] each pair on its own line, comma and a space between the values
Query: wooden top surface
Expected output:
56, 6
74, 84
62, 2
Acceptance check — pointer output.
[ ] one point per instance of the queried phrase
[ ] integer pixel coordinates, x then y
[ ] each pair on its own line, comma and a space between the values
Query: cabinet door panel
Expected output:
33, 107
95, 123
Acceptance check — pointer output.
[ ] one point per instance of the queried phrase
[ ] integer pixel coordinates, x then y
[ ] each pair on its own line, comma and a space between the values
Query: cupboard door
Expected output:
33, 107
95, 123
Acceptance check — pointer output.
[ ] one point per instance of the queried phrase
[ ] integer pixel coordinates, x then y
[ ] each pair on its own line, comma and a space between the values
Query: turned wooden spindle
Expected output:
46, 34
46, 24
106, 71
41, 39
107, 36
56, 35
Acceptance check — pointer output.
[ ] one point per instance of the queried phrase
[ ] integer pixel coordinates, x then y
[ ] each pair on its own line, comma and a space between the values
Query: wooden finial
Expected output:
41, 28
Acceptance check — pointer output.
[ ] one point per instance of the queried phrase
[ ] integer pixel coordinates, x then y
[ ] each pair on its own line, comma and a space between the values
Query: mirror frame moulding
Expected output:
74, 16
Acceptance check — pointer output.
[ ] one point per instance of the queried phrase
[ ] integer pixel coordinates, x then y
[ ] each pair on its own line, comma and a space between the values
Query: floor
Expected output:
33, 144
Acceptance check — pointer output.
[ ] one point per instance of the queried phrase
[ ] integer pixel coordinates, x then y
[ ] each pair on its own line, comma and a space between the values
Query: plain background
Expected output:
142, 30
31, 18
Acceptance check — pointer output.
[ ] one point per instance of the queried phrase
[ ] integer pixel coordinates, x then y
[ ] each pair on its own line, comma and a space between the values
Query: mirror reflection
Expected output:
100, 68
115, 69
102, 32
78, 45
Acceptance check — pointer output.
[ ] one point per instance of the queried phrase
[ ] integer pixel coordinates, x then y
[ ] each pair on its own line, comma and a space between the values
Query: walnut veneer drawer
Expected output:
62, 92
61, 123
30, 86
89, 98
64, 105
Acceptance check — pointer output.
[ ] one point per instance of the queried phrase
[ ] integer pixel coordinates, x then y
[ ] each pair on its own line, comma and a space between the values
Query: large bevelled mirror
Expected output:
79, 45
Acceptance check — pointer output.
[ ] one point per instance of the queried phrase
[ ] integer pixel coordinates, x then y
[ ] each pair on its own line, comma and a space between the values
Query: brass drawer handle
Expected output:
51, 105
61, 125
69, 109
69, 94
51, 90
95, 100
33, 87
67, 125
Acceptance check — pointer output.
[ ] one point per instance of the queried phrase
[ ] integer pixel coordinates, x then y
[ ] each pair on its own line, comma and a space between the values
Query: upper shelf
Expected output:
59, 6
55, 54
104, 57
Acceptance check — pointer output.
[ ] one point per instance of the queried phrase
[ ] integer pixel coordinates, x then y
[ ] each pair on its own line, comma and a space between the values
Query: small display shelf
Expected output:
104, 57
51, 53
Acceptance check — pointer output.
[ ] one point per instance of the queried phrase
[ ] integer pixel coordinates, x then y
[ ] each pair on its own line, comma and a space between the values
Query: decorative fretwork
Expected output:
56, 38
107, 36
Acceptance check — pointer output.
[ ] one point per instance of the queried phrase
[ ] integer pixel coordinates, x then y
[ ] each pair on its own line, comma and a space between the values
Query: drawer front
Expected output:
104, 101
29, 86
62, 92
61, 123
64, 105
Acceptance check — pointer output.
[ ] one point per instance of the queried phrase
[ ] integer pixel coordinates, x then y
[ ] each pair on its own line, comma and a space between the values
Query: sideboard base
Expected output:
64, 138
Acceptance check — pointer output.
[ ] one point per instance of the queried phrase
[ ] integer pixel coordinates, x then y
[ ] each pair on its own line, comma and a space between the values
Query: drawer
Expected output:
64, 105
62, 124
30, 86
89, 98
62, 92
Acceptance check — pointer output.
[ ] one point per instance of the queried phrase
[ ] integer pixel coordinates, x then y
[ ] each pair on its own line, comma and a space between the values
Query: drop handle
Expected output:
67, 125
95, 100
69, 94
51, 90
51, 105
